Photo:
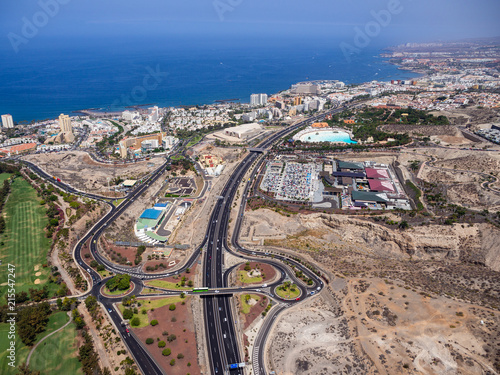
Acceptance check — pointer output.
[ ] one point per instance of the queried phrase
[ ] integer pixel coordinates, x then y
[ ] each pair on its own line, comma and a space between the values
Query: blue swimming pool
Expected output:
327, 136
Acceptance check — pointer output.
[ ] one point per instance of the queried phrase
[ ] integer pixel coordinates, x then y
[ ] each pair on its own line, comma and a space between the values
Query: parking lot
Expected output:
296, 181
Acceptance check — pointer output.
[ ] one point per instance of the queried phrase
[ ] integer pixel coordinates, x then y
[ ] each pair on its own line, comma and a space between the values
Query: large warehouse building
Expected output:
244, 131
366, 185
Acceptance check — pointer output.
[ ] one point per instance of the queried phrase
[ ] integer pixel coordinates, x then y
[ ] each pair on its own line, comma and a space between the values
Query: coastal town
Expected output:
443, 82
324, 225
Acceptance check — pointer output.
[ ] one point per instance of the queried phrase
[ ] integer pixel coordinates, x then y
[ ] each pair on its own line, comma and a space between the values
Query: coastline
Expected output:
213, 94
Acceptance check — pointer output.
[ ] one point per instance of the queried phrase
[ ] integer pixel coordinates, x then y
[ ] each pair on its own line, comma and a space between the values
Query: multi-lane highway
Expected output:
218, 316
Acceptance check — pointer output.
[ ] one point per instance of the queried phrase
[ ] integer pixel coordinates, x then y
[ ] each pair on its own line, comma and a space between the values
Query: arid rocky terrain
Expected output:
368, 326
425, 276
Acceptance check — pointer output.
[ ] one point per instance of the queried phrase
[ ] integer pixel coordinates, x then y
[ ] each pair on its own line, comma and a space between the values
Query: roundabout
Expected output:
288, 291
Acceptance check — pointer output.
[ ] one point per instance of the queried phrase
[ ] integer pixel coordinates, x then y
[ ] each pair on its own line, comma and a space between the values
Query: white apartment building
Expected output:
153, 114
149, 145
7, 121
168, 142
258, 99
130, 115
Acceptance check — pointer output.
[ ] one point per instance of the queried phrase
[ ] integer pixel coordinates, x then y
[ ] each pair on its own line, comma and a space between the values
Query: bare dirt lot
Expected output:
422, 130
314, 338
119, 254
470, 115
458, 174
80, 171
467, 160
386, 329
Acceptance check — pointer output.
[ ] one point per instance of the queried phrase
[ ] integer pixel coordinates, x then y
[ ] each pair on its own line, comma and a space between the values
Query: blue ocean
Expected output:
47, 78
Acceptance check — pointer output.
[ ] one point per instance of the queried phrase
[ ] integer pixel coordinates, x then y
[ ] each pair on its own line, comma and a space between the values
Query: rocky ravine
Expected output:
479, 243
423, 242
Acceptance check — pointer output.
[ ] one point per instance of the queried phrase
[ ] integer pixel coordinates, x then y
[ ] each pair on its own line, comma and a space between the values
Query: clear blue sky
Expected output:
419, 20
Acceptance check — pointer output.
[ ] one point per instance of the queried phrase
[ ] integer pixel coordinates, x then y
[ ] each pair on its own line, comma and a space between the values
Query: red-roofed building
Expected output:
210, 161
376, 173
387, 107
16, 149
381, 186
320, 125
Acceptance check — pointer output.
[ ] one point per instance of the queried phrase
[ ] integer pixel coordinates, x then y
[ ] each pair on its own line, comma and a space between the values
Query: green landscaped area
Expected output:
115, 292
418, 194
177, 157
245, 307
167, 285
148, 305
288, 291
56, 320
21, 351
23, 243
4, 176
105, 273
117, 202
149, 291
57, 354
244, 278
194, 141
